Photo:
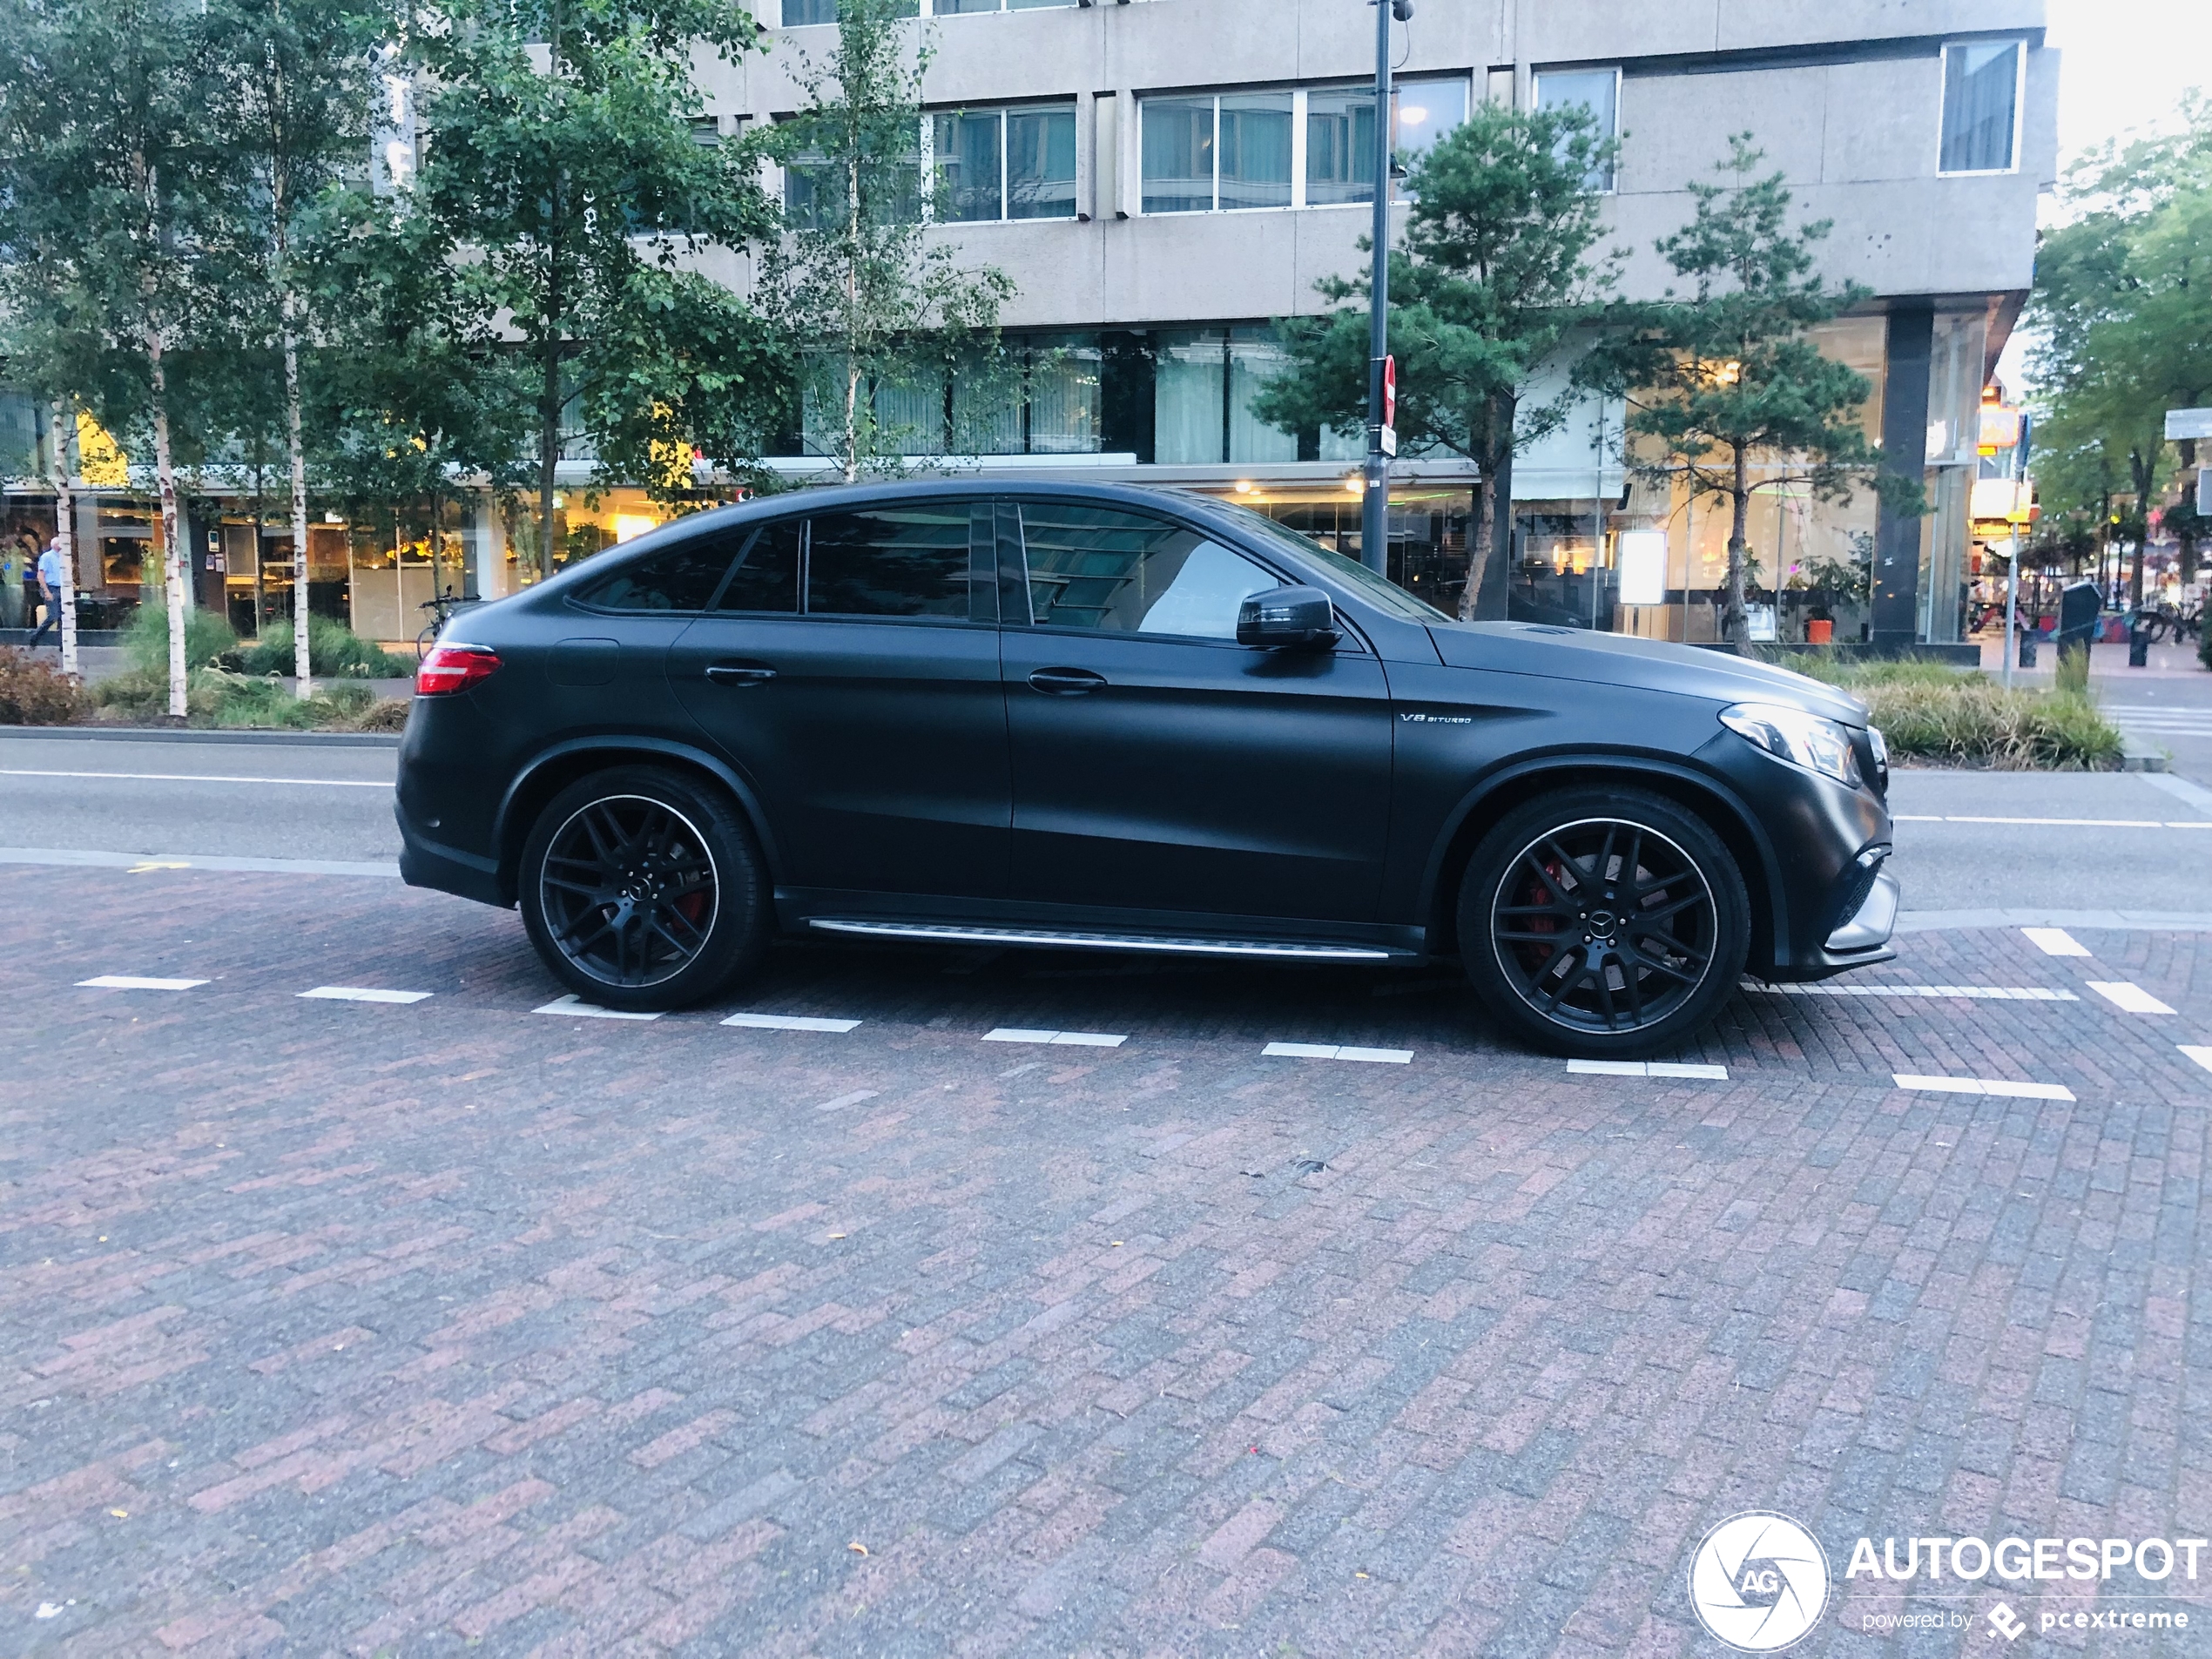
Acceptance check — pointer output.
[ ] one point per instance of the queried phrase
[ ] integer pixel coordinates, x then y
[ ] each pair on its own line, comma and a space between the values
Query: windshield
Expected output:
1383, 593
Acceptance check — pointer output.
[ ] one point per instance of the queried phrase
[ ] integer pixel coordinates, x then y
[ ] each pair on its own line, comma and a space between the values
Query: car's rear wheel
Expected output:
643, 890
1603, 923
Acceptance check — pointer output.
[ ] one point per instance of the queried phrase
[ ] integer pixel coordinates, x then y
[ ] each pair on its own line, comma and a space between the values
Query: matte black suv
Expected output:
1128, 719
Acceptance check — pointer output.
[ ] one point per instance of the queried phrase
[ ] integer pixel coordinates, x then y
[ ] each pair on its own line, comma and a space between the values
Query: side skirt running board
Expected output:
953, 934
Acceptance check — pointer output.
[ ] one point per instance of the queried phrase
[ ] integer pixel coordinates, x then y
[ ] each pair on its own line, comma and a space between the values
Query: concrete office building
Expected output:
1163, 178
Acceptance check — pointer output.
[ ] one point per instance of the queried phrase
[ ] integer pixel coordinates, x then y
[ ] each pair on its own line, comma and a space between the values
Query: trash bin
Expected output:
2078, 605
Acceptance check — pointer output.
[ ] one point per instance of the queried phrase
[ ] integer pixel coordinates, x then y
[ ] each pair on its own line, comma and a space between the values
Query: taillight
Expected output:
449, 669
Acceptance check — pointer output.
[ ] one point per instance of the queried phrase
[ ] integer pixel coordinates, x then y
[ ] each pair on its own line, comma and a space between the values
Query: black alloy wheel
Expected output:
641, 890
1604, 924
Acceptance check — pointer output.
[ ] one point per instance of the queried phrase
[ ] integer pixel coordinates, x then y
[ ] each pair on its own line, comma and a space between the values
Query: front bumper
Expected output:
1868, 927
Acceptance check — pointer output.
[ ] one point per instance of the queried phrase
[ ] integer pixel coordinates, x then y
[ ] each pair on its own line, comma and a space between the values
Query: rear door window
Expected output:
1120, 572
766, 576
901, 560
683, 576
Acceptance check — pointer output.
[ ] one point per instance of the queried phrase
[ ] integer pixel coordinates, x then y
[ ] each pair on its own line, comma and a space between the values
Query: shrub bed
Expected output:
37, 692
1960, 718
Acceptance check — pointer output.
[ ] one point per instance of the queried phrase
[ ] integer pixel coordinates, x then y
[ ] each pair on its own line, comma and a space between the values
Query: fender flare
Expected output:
508, 836
1585, 761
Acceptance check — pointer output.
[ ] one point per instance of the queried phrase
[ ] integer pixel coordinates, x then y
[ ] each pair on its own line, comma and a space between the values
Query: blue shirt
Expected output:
50, 568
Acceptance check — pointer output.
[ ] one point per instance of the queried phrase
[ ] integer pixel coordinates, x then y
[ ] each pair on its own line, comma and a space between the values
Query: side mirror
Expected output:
1287, 619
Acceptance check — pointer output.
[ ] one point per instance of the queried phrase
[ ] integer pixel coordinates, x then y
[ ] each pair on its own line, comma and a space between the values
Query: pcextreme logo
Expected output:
1759, 1581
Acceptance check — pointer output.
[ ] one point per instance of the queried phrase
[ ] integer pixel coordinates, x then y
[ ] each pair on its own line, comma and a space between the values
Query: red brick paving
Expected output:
403, 1329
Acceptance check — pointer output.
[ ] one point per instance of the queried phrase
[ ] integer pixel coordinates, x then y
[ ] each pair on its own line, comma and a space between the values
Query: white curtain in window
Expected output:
1254, 358
1177, 154
1255, 149
1188, 386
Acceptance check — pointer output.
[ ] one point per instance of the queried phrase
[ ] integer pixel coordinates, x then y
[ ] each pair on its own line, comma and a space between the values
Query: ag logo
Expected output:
1759, 1581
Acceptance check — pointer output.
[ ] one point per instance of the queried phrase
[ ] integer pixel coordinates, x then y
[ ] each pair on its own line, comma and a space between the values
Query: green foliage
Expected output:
33, 692
2121, 318
2073, 672
1493, 275
1932, 711
334, 650
559, 151
1726, 388
868, 305
207, 637
218, 698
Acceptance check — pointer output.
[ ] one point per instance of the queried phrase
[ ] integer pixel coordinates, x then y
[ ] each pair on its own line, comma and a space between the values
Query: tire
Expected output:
643, 890
1526, 884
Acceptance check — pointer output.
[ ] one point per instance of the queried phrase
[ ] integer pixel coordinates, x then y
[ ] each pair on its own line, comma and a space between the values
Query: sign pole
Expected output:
1374, 500
2012, 603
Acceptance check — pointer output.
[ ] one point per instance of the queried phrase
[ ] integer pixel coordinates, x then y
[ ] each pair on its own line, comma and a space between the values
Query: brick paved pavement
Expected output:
452, 1327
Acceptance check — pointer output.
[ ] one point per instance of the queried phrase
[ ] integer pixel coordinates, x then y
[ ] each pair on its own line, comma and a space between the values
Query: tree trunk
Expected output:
302, 662
173, 553
1490, 537
2189, 559
66, 539
1734, 622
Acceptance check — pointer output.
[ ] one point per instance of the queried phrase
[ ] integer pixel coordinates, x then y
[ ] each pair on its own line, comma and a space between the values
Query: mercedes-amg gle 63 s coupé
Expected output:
1121, 718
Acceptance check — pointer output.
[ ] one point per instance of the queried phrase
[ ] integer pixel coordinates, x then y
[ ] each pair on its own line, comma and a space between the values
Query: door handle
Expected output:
739, 674
1066, 682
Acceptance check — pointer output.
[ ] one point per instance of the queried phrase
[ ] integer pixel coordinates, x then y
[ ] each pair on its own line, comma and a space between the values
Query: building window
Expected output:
958, 8
1225, 152
1006, 164
1980, 106
1597, 91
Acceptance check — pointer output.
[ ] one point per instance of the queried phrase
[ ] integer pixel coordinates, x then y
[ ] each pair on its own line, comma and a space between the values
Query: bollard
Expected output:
2138, 648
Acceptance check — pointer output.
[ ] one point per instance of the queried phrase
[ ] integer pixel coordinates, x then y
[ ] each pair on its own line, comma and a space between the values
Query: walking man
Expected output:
50, 584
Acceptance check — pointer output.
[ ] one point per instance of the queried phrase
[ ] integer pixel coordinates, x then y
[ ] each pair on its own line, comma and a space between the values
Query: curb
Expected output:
2136, 756
189, 734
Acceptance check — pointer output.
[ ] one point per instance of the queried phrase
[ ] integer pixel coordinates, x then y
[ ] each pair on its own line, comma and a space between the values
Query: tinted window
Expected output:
682, 576
1096, 567
766, 577
890, 562
1378, 590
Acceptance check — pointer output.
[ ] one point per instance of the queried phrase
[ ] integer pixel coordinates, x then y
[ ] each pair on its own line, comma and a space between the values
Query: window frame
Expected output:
1300, 97
1612, 185
927, 9
1000, 112
2019, 45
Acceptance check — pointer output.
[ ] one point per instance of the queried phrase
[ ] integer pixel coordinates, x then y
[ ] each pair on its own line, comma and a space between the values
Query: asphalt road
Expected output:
290, 801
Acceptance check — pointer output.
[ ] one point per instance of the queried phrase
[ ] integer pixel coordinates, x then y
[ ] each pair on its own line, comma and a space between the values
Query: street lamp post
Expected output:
1382, 439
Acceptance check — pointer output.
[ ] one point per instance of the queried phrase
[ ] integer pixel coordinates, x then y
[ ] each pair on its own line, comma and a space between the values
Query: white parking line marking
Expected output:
1336, 1051
1071, 1039
1980, 993
2055, 942
1984, 1086
843, 1101
2202, 1055
137, 982
2127, 997
362, 994
198, 778
788, 1023
574, 1004
1646, 1069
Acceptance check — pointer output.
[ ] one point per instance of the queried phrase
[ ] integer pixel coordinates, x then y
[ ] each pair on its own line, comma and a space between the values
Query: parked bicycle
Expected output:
443, 609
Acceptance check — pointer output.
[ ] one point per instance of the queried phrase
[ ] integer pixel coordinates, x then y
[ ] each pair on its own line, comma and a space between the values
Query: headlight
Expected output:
1818, 744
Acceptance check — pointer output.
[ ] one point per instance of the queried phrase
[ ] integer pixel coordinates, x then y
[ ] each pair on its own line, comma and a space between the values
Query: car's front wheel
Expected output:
1603, 923
643, 890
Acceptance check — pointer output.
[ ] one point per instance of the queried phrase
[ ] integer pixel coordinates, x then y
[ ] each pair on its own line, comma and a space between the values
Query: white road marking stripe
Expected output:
1646, 1069
575, 1004
1072, 1039
1984, 1086
362, 994
2055, 942
75, 858
1334, 1051
788, 1023
2202, 1055
843, 1101
137, 982
2059, 823
1977, 993
2127, 996
197, 777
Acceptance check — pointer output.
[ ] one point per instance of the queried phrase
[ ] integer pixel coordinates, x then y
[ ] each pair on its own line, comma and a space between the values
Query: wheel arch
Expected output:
564, 764
1713, 801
